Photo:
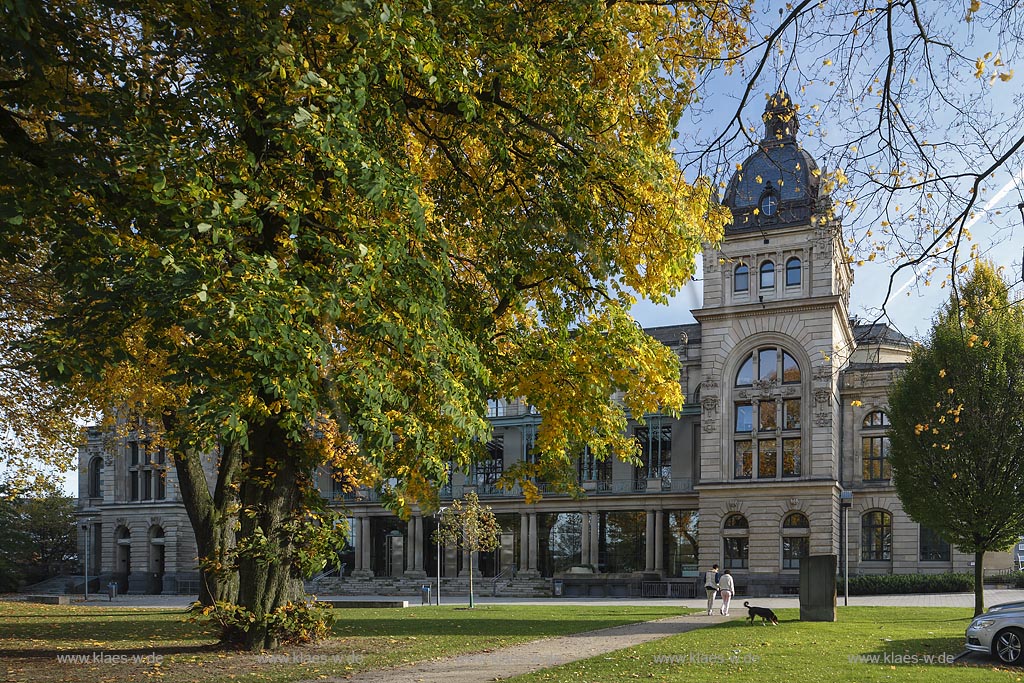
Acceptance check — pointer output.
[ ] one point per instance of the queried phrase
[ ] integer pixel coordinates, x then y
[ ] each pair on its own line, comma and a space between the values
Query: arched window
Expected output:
767, 428
796, 520
876, 536
767, 275
796, 531
96, 477
793, 272
875, 447
736, 521
735, 542
741, 278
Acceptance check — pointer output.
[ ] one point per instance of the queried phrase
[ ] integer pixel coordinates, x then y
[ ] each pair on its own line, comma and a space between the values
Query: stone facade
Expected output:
133, 526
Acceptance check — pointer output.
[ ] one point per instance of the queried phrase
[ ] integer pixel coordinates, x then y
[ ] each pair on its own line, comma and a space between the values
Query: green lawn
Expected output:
794, 652
34, 637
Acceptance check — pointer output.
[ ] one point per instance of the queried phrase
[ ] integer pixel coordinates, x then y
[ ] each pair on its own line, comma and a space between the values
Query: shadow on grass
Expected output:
38, 654
112, 626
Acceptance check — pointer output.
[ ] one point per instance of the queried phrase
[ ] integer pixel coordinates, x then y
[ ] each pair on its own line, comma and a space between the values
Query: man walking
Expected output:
711, 586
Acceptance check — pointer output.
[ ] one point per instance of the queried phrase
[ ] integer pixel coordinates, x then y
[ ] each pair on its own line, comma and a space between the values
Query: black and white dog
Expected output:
766, 614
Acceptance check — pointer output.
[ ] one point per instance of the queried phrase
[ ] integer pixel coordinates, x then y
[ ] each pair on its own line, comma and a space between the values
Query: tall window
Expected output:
767, 275
767, 429
876, 536
592, 469
735, 542
655, 449
933, 547
486, 472
795, 539
793, 272
741, 278
875, 447
96, 477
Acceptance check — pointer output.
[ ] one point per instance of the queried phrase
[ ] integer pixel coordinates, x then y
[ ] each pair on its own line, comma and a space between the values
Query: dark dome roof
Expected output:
779, 168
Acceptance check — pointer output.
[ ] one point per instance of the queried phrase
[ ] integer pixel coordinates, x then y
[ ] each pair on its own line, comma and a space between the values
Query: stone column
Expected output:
533, 543
650, 542
595, 539
659, 541
365, 544
357, 544
524, 542
418, 548
584, 538
410, 541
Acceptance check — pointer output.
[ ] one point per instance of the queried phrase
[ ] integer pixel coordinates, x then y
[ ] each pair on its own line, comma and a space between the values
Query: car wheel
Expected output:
1008, 645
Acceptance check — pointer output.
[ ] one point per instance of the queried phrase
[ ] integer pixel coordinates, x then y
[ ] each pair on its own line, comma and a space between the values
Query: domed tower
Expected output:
780, 183
775, 332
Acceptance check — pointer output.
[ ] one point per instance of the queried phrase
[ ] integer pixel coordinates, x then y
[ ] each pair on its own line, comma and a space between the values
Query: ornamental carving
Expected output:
710, 405
765, 386
154, 521
709, 384
710, 426
823, 419
795, 504
823, 396
711, 263
823, 372
733, 505
791, 391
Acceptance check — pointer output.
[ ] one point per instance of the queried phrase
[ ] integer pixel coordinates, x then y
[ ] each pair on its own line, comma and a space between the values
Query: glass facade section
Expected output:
680, 542
621, 539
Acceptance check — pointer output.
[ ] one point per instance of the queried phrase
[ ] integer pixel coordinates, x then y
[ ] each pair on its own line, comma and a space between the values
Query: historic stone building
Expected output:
783, 437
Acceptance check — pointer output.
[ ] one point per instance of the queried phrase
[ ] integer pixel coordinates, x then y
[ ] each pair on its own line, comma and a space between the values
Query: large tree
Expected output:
304, 235
957, 414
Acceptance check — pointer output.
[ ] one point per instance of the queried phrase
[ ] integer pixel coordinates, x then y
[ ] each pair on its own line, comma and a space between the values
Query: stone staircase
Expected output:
519, 587
56, 585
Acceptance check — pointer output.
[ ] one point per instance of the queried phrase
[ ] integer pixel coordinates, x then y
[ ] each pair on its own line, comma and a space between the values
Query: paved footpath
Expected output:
512, 661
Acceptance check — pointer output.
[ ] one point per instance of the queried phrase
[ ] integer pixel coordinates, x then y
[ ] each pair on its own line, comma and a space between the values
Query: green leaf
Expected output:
204, 227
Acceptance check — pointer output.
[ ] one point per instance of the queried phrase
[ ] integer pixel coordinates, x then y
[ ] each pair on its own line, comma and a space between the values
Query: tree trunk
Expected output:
269, 496
979, 583
211, 522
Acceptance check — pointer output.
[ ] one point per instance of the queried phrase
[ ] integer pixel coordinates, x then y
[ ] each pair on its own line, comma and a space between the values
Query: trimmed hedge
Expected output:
885, 584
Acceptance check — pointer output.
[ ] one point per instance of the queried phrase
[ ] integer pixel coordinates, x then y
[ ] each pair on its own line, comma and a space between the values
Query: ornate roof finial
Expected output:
780, 120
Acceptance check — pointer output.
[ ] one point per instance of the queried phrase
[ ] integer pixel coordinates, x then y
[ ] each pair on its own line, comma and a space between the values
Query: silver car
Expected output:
999, 632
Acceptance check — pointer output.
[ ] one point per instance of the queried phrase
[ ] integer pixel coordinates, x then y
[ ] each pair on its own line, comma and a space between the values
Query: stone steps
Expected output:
523, 588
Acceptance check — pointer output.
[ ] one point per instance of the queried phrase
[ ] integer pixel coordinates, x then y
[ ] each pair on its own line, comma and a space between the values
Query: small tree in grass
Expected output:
957, 414
471, 526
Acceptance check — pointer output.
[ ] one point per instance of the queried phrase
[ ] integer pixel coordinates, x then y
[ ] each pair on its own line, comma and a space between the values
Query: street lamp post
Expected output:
437, 537
846, 500
87, 527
